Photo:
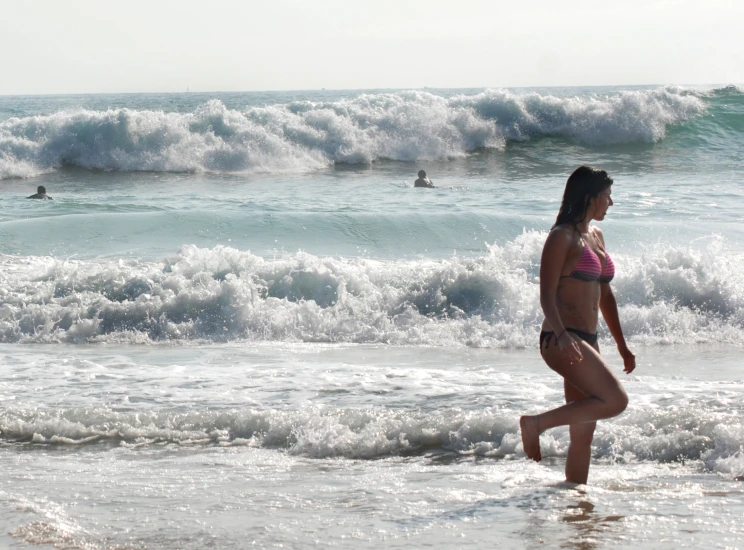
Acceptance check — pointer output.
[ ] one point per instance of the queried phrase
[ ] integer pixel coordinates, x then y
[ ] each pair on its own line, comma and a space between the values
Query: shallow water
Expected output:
323, 444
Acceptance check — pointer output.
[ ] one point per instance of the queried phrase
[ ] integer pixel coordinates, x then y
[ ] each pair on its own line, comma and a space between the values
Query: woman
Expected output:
575, 274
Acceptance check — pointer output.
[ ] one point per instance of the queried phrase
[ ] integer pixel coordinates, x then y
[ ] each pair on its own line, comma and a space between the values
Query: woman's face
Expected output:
601, 203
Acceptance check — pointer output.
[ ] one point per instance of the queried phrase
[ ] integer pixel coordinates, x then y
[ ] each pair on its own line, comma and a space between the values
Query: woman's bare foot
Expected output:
531, 437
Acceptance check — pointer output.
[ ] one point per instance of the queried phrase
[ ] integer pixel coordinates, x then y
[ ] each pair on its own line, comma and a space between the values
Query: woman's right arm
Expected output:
552, 261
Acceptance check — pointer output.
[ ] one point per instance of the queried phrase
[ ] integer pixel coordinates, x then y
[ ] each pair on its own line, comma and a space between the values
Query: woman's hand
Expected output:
628, 360
569, 347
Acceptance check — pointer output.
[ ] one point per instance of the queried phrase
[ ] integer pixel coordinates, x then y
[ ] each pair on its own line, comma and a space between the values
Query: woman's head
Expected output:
585, 185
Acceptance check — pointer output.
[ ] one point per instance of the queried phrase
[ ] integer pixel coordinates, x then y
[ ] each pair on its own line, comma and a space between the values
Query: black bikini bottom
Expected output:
588, 337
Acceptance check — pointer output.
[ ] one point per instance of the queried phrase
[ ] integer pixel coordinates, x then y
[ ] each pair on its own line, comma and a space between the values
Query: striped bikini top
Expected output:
589, 268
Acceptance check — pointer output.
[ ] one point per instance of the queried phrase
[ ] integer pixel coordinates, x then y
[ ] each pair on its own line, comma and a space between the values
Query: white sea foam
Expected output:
692, 433
305, 136
680, 295
631, 116
668, 295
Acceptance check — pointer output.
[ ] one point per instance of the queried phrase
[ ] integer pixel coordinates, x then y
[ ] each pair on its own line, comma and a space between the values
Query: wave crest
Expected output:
305, 136
670, 295
644, 434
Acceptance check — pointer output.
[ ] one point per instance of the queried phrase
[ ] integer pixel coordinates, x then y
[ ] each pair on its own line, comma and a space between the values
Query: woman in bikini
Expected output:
575, 272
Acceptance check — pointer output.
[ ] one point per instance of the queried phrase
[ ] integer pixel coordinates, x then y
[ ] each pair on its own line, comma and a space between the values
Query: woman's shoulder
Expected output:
564, 231
563, 235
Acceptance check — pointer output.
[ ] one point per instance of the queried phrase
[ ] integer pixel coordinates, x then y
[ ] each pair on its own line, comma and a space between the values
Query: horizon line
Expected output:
381, 89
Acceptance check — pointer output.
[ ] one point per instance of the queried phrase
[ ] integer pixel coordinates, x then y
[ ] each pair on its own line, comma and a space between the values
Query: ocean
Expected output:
239, 325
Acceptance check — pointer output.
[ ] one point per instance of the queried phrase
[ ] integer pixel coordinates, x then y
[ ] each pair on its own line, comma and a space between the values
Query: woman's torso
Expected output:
579, 287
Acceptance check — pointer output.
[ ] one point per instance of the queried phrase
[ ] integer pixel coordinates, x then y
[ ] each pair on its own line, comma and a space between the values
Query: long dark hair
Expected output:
582, 186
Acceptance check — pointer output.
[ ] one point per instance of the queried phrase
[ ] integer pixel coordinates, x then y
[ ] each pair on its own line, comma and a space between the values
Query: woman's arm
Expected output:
552, 261
608, 306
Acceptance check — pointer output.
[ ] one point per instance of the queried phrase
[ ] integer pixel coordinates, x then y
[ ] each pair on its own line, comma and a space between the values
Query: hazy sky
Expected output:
75, 46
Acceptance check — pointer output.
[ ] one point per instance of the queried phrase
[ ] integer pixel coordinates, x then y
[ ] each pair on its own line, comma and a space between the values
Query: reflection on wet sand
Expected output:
588, 525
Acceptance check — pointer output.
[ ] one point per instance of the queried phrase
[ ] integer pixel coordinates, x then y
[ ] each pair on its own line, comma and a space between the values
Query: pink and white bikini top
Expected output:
589, 267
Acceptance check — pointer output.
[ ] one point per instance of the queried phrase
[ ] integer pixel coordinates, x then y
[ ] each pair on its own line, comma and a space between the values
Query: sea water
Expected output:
238, 324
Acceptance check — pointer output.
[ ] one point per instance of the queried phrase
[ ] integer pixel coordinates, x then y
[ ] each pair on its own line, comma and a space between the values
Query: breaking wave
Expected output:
666, 295
303, 136
695, 433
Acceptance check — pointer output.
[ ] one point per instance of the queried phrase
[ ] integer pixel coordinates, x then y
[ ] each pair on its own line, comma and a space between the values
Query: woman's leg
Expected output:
604, 397
580, 449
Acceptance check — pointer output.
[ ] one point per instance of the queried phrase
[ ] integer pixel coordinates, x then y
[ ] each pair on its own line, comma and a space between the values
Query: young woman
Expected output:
575, 274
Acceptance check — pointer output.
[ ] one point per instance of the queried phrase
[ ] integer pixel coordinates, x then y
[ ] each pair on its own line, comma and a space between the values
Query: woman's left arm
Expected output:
608, 306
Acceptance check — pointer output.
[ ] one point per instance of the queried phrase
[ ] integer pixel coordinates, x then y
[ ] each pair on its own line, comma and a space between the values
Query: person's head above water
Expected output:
40, 194
421, 174
583, 185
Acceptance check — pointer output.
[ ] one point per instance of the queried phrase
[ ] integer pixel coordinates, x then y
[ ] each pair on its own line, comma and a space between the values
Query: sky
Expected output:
116, 46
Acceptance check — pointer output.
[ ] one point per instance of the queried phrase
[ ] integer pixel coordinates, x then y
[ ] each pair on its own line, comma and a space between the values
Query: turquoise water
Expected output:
237, 306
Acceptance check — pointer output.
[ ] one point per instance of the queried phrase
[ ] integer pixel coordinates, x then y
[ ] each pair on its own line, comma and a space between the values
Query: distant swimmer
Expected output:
40, 194
422, 180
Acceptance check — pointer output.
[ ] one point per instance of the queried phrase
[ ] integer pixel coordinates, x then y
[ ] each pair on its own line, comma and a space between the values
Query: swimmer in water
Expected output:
40, 194
422, 180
